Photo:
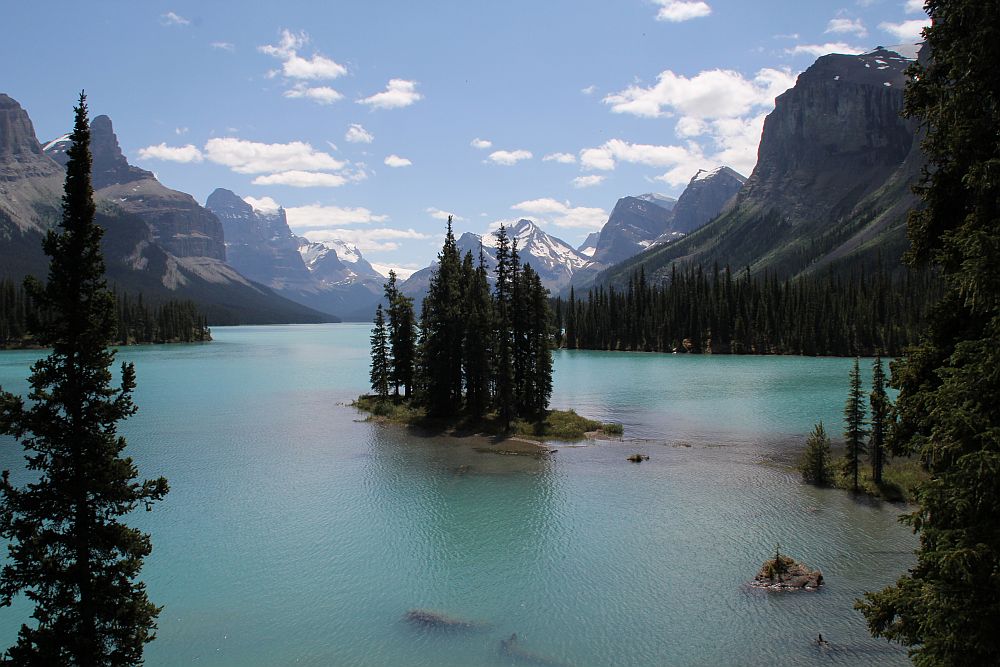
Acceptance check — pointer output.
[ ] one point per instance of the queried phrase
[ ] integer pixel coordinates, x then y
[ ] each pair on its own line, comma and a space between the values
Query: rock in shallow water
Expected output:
785, 573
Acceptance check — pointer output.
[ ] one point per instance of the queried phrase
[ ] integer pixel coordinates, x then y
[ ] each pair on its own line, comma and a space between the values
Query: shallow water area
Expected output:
297, 533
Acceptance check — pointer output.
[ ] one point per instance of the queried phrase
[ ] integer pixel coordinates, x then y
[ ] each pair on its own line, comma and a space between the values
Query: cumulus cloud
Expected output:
906, 31
481, 144
317, 216
302, 179
170, 18
398, 93
251, 157
915, 6
508, 158
438, 214
587, 181
263, 204
676, 11
396, 161
368, 240
710, 94
295, 66
318, 94
823, 49
356, 134
607, 155
589, 90
563, 214
846, 25
188, 153
561, 158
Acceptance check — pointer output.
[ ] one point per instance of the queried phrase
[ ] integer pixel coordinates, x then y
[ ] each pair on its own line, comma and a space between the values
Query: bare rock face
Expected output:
180, 225
30, 182
705, 196
785, 573
632, 226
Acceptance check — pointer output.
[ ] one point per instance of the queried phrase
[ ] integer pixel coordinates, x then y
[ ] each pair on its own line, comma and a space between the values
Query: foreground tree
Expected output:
854, 427
880, 420
380, 366
402, 337
443, 332
816, 465
68, 553
947, 607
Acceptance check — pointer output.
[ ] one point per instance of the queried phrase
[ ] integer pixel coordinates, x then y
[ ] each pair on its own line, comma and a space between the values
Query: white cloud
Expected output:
223, 46
914, 7
605, 156
181, 130
438, 214
848, 26
710, 94
263, 204
561, 158
358, 135
302, 179
589, 90
587, 181
398, 93
294, 66
170, 18
906, 31
188, 153
317, 216
396, 161
824, 49
677, 11
563, 214
368, 240
251, 157
318, 94
509, 158
481, 144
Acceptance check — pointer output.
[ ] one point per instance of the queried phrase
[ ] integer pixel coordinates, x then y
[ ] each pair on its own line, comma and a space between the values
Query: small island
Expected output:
784, 573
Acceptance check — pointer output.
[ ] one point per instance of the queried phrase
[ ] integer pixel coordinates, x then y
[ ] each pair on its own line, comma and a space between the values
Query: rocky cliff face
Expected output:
632, 226
831, 185
705, 196
30, 183
259, 243
180, 225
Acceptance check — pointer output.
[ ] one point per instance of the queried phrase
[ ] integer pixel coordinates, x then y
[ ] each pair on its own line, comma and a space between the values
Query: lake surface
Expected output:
296, 534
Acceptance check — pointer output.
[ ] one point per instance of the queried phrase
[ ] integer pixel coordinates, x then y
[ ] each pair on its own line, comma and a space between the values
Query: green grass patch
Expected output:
900, 479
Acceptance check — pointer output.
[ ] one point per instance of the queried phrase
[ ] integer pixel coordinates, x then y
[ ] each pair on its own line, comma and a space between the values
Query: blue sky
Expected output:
362, 119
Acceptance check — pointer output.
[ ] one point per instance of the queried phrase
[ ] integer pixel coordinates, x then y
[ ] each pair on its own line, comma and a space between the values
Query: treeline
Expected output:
715, 311
474, 349
136, 321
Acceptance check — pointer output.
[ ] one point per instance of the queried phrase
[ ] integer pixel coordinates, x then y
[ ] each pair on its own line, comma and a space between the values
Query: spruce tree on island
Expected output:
854, 427
68, 551
880, 420
380, 363
443, 331
947, 606
504, 336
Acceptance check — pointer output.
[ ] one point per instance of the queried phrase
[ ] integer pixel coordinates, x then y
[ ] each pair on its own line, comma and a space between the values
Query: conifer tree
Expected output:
879, 402
540, 348
443, 332
816, 466
68, 552
478, 339
946, 606
503, 362
854, 427
401, 327
380, 370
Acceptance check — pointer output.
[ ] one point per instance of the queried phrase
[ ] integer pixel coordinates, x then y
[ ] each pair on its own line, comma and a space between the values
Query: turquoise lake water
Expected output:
296, 534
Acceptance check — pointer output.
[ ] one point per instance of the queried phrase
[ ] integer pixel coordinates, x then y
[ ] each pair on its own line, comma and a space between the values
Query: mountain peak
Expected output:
17, 134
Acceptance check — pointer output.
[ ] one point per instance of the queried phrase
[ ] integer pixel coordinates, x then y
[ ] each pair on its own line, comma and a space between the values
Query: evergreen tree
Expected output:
540, 348
504, 340
854, 427
68, 552
478, 339
380, 370
443, 332
816, 465
946, 607
879, 401
402, 337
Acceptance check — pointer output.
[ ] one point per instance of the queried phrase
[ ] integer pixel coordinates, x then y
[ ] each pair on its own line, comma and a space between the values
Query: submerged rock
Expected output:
785, 573
430, 619
510, 648
638, 458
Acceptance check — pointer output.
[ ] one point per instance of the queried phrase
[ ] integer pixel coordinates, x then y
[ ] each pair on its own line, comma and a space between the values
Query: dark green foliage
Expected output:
854, 427
135, 321
699, 311
816, 464
880, 420
402, 337
479, 343
947, 607
443, 332
68, 553
380, 366
503, 394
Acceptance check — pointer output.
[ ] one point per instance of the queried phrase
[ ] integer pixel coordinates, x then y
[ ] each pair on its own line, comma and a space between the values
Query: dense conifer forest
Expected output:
714, 311
135, 321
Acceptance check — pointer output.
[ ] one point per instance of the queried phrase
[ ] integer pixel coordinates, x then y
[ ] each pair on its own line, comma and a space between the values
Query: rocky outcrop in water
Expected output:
785, 573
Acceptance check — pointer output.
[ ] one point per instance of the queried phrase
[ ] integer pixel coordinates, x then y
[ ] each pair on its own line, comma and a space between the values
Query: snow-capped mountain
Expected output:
589, 245
336, 262
553, 259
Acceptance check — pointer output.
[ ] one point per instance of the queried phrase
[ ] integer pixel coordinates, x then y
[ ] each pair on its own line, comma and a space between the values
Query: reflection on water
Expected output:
295, 533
